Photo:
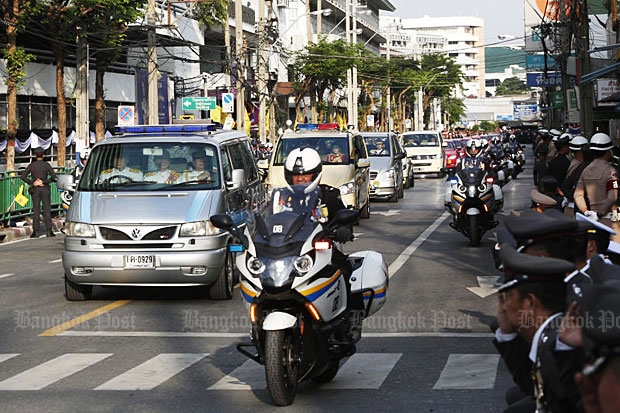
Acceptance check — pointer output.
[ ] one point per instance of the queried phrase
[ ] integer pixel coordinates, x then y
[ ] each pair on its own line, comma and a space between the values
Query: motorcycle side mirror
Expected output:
222, 221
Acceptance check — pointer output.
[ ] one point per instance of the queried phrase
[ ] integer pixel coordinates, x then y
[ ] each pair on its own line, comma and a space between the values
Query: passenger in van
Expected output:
336, 155
380, 149
199, 173
120, 173
164, 175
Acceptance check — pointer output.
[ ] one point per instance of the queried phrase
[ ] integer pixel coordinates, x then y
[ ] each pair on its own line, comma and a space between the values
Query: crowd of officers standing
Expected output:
558, 317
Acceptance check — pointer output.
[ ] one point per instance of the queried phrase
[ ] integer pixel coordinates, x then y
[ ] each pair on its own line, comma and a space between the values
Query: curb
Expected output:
16, 233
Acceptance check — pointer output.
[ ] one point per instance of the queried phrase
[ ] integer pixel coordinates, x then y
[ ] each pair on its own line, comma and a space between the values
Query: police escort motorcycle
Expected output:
306, 315
473, 199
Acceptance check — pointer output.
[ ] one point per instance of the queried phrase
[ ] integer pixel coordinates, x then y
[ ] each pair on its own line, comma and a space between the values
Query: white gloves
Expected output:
592, 215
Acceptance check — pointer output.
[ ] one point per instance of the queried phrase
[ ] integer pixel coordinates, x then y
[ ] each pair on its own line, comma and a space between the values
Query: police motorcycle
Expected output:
473, 199
306, 316
500, 163
516, 155
66, 195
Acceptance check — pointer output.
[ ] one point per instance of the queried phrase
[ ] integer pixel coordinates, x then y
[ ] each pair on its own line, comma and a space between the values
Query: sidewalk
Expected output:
16, 233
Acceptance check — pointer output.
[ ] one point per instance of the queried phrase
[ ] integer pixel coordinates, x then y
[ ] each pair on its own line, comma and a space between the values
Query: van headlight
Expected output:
198, 229
348, 188
79, 229
387, 174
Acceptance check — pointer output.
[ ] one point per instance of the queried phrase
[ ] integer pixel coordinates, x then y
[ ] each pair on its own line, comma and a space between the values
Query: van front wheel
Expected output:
223, 287
77, 292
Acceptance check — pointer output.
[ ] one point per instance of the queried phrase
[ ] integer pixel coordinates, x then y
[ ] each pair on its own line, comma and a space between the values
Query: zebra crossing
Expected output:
362, 371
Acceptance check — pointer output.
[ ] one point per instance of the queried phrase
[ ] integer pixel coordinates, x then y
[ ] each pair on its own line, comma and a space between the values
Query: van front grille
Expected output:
159, 234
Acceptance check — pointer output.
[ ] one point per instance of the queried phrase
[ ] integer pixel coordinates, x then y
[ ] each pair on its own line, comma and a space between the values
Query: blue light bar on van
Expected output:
317, 126
164, 128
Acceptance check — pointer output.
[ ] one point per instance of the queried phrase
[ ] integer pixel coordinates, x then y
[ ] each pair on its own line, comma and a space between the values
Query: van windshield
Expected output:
151, 166
333, 151
378, 146
420, 139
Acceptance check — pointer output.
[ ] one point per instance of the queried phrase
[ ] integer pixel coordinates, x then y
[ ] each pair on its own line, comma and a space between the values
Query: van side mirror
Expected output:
238, 179
65, 182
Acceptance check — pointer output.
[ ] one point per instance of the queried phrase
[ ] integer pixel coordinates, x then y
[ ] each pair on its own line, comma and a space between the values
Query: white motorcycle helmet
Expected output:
601, 142
578, 143
473, 148
303, 161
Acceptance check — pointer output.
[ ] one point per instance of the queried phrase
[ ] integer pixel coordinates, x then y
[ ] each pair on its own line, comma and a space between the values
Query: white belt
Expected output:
571, 205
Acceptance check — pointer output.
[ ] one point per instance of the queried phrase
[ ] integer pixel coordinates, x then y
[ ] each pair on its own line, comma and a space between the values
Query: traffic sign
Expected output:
227, 102
126, 115
199, 103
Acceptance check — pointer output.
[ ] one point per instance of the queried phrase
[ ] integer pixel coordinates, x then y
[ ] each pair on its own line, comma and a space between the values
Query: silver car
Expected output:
386, 165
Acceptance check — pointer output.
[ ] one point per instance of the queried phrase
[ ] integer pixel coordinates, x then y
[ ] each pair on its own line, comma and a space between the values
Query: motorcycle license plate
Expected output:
139, 261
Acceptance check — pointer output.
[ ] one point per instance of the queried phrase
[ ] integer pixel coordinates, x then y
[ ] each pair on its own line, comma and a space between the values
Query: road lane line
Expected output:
364, 371
55, 261
84, 317
4, 357
468, 371
250, 375
6, 275
191, 334
153, 372
407, 252
52, 371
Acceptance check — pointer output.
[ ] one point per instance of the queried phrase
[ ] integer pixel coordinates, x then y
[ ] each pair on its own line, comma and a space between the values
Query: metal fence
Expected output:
10, 182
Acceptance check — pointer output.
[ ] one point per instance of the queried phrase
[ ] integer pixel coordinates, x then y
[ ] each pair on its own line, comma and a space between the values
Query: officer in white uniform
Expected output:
164, 175
120, 172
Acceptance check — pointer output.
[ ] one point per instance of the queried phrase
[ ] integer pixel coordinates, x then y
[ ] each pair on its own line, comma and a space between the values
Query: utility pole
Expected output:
240, 65
153, 101
586, 95
81, 99
350, 108
262, 81
388, 93
354, 70
319, 18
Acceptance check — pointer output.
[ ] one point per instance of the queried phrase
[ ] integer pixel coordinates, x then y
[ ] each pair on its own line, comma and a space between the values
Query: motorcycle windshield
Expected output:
473, 171
288, 221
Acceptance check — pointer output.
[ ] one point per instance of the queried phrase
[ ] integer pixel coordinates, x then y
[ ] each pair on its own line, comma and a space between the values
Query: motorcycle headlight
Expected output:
303, 264
79, 229
255, 266
472, 191
346, 189
198, 229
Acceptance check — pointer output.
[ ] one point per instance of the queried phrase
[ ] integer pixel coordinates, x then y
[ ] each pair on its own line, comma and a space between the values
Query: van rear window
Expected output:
420, 139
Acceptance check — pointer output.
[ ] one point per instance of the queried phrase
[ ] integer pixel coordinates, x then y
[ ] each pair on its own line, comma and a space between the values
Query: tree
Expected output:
454, 108
511, 86
322, 67
104, 22
16, 15
488, 126
439, 77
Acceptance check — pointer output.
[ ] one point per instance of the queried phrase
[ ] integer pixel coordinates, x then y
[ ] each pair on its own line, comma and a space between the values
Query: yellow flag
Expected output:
216, 114
20, 198
247, 123
266, 121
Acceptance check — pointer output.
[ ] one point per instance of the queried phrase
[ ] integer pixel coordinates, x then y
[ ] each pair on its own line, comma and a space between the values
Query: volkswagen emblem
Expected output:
135, 233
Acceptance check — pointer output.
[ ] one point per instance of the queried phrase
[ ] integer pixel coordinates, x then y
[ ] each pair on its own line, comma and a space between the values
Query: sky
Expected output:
500, 16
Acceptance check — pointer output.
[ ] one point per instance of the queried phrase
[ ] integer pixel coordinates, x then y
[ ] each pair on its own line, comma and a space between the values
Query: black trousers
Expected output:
41, 194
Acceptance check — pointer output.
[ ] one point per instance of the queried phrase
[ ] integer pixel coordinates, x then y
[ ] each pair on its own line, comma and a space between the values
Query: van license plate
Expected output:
139, 261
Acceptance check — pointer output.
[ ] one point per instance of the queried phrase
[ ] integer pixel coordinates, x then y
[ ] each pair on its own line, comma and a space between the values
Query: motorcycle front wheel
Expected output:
474, 231
282, 362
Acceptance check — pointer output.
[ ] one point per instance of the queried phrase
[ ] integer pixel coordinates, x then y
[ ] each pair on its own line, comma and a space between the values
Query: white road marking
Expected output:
55, 261
364, 371
4, 357
407, 252
250, 375
6, 275
190, 334
486, 286
468, 371
153, 372
360, 371
52, 371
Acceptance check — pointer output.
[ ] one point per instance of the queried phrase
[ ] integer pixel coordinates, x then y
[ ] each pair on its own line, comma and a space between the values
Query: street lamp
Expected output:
422, 92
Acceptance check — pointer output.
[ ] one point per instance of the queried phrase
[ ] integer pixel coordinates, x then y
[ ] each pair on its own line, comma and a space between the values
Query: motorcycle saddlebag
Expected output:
369, 280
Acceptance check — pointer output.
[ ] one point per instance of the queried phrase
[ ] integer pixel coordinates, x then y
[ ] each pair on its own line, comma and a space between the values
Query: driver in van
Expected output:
120, 172
380, 149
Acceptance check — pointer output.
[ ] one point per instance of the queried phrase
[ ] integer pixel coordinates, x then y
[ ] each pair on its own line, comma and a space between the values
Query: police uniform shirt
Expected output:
572, 167
168, 176
133, 174
595, 182
39, 169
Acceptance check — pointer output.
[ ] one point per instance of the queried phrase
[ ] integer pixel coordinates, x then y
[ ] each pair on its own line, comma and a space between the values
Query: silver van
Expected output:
140, 212
386, 165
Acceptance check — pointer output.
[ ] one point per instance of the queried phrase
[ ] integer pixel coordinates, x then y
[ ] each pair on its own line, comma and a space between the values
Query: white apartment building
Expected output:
459, 37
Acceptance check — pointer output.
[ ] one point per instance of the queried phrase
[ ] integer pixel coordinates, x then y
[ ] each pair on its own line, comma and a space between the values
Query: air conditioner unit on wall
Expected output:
282, 3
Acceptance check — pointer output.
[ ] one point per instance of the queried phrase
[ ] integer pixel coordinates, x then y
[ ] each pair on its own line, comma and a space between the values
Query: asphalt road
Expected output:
159, 350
